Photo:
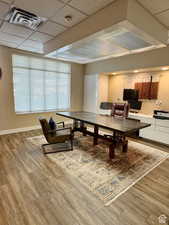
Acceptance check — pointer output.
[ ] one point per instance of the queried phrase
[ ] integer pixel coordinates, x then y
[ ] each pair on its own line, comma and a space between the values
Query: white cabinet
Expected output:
95, 92
90, 93
158, 131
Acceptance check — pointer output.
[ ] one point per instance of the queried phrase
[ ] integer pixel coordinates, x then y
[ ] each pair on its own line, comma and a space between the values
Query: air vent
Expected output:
24, 18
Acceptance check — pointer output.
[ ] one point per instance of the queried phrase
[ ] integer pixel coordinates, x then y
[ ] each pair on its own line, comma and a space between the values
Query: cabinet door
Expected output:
90, 93
144, 89
147, 90
154, 90
138, 86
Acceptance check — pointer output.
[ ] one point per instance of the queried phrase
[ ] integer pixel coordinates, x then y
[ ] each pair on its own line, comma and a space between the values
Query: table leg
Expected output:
125, 145
75, 124
83, 128
96, 132
112, 147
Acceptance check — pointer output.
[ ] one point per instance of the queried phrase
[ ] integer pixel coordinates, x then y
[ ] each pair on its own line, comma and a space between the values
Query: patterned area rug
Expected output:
89, 164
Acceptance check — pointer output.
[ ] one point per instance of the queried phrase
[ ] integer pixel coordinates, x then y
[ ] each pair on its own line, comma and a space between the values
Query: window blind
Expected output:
40, 84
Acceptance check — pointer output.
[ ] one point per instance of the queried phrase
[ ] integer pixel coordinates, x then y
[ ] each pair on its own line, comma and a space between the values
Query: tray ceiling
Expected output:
55, 10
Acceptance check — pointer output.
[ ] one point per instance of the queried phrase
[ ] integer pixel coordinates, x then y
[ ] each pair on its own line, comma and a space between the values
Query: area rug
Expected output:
107, 180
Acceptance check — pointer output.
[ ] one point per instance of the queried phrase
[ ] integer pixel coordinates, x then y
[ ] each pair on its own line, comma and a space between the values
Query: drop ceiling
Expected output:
115, 41
55, 10
122, 29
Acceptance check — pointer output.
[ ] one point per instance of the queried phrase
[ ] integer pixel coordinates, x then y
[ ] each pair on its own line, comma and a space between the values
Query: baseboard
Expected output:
23, 129
17, 130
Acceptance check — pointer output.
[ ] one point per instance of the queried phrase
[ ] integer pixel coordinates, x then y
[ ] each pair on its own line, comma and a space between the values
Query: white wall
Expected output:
149, 59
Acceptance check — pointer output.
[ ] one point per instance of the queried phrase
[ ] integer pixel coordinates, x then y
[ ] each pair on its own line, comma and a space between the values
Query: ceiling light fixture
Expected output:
164, 68
136, 71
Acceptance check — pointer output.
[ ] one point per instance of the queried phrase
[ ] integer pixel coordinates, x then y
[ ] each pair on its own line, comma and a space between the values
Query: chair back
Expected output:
120, 110
45, 127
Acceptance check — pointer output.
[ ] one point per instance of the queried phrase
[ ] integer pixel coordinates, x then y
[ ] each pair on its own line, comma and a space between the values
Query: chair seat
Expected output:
59, 136
62, 132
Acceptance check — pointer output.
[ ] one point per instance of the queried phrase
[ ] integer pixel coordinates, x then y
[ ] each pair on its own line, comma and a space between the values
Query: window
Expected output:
40, 84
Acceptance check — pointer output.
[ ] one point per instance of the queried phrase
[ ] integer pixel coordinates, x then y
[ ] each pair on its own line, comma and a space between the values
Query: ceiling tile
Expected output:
51, 28
16, 30
10, 38
164, 18
88, 6
8, 43
43, 8
32, 44
28, 48
4, 8
67, 10
155, 6
8, 1
40, 37
65, 1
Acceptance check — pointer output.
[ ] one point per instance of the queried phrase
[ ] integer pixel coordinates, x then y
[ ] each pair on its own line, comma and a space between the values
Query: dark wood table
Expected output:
120, 128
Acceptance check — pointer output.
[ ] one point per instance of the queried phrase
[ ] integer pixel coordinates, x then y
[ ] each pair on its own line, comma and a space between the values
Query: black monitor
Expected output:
130, 95
135, 105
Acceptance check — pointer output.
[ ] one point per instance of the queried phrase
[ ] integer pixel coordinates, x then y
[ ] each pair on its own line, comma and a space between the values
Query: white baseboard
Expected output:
23, 129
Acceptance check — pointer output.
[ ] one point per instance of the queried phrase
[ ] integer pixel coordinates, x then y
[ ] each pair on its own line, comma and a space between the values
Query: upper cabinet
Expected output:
147, 90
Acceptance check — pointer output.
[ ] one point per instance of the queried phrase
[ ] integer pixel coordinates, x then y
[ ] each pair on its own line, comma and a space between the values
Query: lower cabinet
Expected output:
158, 131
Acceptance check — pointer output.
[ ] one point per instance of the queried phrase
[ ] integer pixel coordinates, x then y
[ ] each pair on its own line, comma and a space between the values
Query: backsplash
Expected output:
118, 82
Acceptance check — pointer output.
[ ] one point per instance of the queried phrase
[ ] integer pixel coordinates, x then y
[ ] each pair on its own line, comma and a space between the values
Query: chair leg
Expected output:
71, 142
43, 148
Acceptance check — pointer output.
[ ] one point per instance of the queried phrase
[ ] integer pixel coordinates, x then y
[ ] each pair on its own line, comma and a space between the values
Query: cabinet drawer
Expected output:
162, 129
155, 135
162, 123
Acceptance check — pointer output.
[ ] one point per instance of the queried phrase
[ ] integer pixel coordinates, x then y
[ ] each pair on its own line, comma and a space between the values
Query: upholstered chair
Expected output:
120, 110
57, 136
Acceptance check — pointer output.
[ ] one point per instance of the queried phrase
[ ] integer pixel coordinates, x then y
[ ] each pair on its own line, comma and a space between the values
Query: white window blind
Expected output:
40, 84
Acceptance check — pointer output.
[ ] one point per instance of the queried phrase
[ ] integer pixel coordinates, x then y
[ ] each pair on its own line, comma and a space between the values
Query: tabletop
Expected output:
112, 123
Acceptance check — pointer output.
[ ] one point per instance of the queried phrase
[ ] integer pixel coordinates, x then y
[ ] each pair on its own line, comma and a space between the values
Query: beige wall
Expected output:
154, 58
119, 82
8, 117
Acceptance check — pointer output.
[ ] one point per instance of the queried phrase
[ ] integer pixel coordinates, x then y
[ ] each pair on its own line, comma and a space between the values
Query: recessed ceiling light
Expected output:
164, 68
136, 71
114, 73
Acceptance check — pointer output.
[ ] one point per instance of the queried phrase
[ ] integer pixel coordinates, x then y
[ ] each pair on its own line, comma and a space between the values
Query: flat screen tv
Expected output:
135, 105
130, 94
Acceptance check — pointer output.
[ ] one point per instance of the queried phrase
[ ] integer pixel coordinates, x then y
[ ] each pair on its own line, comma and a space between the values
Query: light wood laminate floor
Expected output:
35, 191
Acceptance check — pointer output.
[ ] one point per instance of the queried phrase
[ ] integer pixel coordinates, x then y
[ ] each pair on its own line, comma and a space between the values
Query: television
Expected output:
135, 105
130, 94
